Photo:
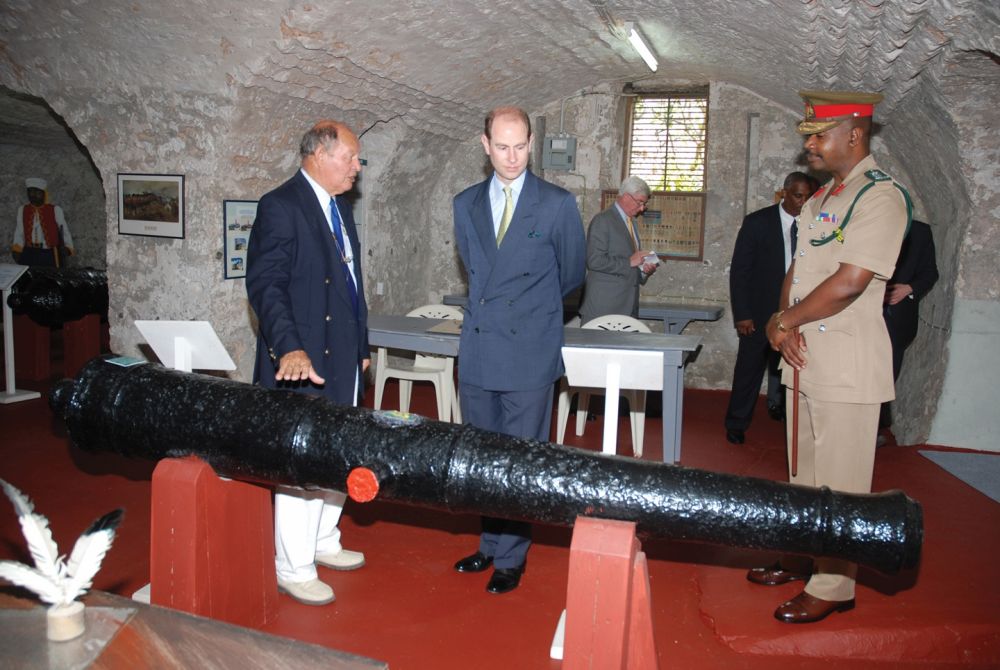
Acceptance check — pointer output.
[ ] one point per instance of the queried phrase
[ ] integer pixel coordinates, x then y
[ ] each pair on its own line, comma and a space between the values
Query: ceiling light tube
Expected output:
640, 46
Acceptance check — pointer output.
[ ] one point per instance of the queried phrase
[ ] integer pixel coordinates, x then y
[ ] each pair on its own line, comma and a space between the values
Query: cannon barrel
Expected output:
51, 297
280, 437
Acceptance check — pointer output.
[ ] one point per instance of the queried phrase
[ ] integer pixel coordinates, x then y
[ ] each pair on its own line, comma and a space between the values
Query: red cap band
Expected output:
831, 111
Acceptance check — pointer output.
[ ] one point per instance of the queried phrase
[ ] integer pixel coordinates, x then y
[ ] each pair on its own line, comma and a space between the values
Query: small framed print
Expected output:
237, 220
151, 205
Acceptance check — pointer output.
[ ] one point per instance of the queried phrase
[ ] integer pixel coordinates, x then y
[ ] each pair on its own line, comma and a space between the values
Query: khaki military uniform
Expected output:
848, 371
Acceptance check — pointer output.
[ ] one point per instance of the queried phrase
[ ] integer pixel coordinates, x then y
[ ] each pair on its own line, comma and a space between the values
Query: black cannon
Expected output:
279, 437
51, 297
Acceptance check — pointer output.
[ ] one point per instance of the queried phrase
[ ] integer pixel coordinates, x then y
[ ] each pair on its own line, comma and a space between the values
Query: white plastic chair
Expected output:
439, 370
636, 397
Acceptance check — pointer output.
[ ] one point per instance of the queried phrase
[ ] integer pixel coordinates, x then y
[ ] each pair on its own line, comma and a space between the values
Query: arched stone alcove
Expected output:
37, 142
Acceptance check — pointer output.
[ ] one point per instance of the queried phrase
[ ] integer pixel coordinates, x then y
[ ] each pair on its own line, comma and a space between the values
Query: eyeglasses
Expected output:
641, 204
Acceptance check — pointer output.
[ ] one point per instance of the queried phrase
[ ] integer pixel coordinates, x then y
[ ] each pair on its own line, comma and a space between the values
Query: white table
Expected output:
674, 315
411, 334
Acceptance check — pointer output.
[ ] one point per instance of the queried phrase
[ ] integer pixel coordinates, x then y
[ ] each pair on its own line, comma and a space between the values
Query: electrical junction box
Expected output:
559, 153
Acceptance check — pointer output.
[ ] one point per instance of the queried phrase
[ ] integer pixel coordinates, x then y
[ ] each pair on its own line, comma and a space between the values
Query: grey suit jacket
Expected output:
612, 284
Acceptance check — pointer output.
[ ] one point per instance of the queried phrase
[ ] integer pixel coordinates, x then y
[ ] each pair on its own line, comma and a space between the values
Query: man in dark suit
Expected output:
761, 257
616, 264
521, 241
916, 272
304, 283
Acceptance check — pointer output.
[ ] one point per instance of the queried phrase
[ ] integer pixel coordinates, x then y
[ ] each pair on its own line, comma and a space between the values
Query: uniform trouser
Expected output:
520, 414
305, 524
836, 449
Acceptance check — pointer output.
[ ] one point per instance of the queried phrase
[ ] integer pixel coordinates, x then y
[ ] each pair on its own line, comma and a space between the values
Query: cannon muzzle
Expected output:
280, 437
51, 297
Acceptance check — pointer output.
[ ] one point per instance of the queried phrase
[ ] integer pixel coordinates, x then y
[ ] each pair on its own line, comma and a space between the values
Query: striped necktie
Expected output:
508, 214
338, 234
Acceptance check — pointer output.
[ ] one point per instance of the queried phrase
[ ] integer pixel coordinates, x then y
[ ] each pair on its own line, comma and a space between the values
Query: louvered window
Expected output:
667, 137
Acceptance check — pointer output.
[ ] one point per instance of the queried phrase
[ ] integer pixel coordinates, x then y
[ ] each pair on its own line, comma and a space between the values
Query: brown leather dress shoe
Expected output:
804, 608
774, 575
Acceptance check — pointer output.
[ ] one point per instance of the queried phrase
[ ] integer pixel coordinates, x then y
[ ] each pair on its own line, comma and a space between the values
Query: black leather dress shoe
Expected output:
776, 412
505, 579
475, 563
804, 608
735, 436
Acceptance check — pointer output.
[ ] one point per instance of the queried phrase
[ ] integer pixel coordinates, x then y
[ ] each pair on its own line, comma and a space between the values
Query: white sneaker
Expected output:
312, 592
345, 559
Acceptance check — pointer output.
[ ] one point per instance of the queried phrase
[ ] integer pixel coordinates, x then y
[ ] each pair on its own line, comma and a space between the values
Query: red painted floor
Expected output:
408, 606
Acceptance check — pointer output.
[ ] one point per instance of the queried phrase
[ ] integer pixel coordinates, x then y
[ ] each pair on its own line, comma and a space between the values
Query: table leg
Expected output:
673, 409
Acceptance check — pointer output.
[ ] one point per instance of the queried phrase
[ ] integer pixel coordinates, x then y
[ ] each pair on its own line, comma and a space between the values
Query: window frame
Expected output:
700, 196
701, 93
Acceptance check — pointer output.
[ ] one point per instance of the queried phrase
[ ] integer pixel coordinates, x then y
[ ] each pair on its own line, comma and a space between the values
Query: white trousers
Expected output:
305, 523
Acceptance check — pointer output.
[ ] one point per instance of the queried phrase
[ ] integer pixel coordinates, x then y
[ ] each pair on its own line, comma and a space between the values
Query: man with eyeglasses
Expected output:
616, 262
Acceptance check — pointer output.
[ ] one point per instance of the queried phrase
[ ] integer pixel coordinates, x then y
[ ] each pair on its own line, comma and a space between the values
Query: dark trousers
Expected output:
901, 322
753, 357
52, 258
520, 414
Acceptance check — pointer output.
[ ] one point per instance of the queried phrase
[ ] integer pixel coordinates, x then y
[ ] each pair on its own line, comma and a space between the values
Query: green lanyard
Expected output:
838, 232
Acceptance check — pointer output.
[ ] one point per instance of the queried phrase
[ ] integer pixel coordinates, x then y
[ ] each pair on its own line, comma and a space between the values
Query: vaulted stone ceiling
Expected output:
437, 64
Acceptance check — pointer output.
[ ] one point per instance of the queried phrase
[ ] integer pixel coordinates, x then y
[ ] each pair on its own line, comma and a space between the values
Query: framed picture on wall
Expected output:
151, 205
237, 220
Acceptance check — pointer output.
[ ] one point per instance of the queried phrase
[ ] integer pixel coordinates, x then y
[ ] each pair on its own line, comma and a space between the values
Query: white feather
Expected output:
85, 561
36, 532
53, 580
33, 580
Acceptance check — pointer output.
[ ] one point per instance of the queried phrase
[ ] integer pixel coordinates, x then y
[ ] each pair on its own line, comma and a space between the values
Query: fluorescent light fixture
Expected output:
635, 39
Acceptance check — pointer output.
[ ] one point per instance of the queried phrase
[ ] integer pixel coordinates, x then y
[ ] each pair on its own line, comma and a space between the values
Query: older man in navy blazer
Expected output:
522, 243
304, 283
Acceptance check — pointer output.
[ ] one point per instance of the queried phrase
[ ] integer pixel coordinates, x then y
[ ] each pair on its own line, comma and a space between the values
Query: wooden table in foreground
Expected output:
411, 334
123, 634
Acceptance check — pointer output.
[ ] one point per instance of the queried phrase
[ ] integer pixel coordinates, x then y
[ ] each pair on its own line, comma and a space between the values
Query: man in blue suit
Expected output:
522, 243
304, 283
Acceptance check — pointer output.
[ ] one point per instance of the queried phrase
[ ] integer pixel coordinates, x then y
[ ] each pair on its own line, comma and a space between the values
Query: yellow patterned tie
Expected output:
631, 233
508, 214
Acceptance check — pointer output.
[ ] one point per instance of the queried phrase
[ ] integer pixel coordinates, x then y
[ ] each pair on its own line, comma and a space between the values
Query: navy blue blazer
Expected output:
512, 333
296, 285
758, 267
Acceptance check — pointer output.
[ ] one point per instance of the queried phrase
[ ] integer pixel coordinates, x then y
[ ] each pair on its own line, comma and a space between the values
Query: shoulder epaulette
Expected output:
877, 175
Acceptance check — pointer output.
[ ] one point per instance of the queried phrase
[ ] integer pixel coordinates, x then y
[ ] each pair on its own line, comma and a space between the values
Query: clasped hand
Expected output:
789, 342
